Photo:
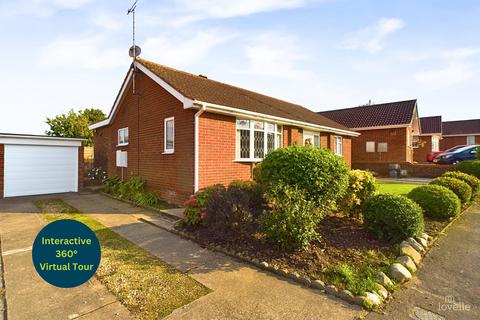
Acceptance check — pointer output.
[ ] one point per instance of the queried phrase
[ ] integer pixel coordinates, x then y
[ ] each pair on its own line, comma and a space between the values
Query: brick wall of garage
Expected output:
420, 153
449, 142
170, 175
2, 158
397, 146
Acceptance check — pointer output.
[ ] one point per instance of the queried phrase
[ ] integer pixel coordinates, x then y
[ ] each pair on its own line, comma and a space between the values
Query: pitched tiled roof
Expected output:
461, 127
431, 124
206, 90
375, 115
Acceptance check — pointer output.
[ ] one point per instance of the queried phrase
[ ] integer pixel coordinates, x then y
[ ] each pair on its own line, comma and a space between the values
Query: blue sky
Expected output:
323, 54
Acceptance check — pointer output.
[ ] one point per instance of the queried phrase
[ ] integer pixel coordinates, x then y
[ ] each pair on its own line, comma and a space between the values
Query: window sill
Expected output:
122, 144
248, 160
168, 152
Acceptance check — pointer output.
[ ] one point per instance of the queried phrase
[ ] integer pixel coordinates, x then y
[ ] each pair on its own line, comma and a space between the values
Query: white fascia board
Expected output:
187, 103
429, 134
382, 127
260, 116
40, 141
461, 135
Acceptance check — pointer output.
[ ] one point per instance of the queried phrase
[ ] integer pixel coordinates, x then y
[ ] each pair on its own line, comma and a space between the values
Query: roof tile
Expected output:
461, 127
431, 124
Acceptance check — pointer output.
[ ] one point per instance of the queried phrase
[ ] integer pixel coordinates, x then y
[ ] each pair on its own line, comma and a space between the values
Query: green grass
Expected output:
147, 286
395, 187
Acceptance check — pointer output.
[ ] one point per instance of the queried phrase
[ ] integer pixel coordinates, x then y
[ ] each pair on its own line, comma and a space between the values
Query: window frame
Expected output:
386, 147
339, 138
435, 143
277, 130
367, 144
165, 149
473, 140
125, 141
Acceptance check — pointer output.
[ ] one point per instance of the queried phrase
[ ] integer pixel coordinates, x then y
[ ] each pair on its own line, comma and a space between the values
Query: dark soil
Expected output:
433, 227
343, 240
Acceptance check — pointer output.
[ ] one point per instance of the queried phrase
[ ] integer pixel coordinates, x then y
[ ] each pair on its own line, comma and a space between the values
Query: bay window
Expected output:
255, 139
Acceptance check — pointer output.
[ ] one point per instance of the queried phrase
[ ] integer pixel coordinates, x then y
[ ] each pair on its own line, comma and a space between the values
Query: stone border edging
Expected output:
3, 299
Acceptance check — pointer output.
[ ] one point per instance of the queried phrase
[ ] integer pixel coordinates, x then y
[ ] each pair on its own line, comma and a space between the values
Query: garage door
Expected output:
30, 170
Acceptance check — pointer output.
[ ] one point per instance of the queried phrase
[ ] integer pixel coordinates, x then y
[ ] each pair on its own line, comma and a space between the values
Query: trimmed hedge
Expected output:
472, 181
393, 217
470, 166
436, 201
461, 189
361, 186
322, 175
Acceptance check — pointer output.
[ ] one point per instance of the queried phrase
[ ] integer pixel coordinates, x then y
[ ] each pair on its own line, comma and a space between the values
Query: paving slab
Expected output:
30, 297
240, 291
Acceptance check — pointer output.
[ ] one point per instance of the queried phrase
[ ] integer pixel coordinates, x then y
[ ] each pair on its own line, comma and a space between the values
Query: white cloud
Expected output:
38, 8
90, 52
455, 68
371, 38
179, 51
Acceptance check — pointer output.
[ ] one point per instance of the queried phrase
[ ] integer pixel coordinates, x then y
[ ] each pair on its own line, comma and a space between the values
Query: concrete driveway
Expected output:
240, 291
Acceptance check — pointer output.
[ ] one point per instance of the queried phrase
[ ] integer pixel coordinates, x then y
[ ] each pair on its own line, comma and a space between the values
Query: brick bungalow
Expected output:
460, 132
428, 140
387, 132
183, 132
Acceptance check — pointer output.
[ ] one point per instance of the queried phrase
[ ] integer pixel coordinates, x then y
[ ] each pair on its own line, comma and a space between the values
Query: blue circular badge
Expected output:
66, 253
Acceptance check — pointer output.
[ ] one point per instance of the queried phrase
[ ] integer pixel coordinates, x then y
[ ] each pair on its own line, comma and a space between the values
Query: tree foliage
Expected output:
75, 124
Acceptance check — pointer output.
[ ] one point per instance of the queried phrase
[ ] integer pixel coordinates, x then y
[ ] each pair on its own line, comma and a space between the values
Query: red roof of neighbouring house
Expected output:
203, 89
431, 124
461, 127
375, 115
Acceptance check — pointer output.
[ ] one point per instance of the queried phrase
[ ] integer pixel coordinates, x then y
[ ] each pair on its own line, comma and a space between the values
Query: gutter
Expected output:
196, 149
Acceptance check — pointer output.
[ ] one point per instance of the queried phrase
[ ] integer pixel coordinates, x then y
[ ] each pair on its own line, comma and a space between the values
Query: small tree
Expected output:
75, 124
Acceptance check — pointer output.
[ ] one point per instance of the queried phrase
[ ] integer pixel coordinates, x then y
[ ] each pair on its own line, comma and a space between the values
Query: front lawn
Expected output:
396, 187
147, 286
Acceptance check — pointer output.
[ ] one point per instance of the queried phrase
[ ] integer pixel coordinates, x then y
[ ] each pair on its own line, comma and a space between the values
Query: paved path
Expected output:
28, 296
239, 290
448, 284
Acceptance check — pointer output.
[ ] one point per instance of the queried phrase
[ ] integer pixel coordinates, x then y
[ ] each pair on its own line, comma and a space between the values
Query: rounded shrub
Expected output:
460, 188
393, 217
436, 201
470, 166
195, 207
472, 181
322, 175
291, 219
361, 186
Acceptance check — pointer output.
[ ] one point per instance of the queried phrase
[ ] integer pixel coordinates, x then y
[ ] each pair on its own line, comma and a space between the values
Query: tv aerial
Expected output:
134, 50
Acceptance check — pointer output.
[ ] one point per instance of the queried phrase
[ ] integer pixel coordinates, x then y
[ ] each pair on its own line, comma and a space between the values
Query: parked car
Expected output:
461, 154
432, 155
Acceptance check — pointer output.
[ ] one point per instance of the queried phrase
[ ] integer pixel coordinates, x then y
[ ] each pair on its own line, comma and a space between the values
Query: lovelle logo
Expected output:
451, 305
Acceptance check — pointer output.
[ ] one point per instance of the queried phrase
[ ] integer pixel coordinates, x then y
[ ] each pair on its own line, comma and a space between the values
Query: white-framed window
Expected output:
338, 145
382, 147
470, 140
122, 137
255, 139
435, 143
169, 135
370, 146
311, 138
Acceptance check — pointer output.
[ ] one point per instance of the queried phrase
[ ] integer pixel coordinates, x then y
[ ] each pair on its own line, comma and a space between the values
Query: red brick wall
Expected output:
420, 153
418, 170
217, 134
2, 158
397, 146
171, 175
292, 136
81, 168
449, 142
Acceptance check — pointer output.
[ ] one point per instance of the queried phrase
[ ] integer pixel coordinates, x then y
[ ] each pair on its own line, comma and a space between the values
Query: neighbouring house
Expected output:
428, 140
183, 132
387, 132
460, 132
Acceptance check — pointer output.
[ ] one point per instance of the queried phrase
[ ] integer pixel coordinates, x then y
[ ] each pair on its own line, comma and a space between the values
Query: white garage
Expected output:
34, 165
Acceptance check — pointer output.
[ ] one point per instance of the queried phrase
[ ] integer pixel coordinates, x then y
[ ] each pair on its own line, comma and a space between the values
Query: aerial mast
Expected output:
135, 50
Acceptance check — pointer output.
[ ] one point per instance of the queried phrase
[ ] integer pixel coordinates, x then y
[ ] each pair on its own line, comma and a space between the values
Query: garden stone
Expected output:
346, 295
408, 263
417, 246
359, 300
264, 264
384, 280
408, 250
422, 241
284, 272
425, 236
318, 284
399, 273
306, 282
373, 299
294, 275
331, 289
381, 291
